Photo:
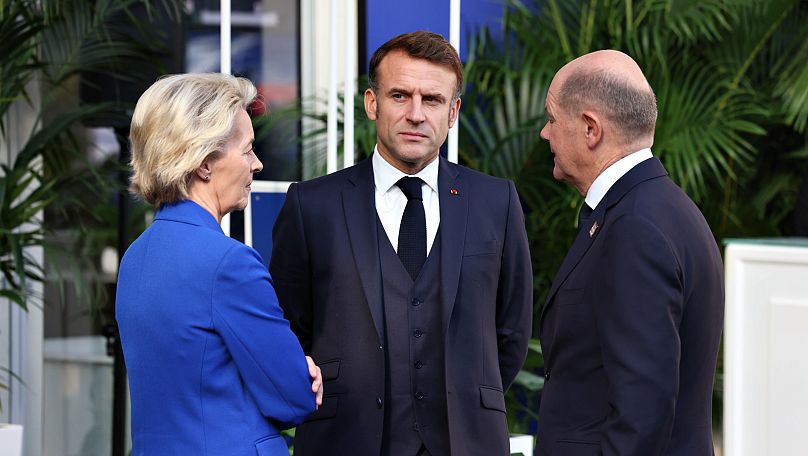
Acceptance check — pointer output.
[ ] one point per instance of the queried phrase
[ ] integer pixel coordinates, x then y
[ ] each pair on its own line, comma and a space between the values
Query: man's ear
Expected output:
594, 128
453, 111
370, 104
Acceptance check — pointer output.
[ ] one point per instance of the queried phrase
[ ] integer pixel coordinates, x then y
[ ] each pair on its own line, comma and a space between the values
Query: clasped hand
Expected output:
317, 381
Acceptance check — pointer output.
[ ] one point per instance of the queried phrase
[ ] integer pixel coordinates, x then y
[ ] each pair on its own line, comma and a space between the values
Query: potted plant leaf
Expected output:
48, 46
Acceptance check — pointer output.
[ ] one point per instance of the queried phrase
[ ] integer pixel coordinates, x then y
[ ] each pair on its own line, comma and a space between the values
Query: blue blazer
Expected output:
325, 261
631, 327
213, 367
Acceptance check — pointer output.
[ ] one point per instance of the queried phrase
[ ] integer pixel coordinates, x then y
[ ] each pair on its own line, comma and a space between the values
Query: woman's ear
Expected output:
204, 170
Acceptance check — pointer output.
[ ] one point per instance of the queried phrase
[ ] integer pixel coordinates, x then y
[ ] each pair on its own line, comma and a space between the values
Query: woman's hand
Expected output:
317, 381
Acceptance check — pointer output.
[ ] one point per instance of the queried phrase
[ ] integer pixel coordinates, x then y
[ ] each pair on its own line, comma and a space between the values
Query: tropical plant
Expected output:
48, 46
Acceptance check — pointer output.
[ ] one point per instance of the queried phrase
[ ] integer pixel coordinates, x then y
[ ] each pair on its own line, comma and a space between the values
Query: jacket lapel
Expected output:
359, 204
645, 170
454, 209
586, 236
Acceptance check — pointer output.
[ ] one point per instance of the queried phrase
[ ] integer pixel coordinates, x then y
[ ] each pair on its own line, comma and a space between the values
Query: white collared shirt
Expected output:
612, 174
390, 200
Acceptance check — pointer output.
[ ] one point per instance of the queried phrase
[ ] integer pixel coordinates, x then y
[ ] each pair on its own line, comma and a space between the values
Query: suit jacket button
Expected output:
419, 364
416, 302
417, 333
379, 402
419, 395
547, 375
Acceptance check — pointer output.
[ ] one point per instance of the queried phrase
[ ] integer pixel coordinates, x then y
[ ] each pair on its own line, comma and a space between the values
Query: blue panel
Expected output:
474, 14
386, 19
265, 209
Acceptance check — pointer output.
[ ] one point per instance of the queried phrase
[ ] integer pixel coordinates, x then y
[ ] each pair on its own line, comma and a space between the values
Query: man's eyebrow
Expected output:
436, 96
433, 95
399, 90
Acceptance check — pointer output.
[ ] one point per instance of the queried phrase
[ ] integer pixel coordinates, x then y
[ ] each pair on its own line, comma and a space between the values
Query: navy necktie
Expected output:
412, 232
584, 216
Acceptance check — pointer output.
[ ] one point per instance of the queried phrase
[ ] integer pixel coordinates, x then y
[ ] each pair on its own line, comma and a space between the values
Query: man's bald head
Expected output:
611, 83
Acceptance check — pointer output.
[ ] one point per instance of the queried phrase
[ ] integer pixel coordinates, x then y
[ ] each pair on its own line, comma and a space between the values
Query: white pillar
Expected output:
454, 38
224, 37
350, 83
331, 125
224, 67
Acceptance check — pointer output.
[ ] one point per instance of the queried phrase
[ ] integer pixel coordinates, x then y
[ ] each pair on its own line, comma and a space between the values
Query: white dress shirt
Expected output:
390, 200
612, 174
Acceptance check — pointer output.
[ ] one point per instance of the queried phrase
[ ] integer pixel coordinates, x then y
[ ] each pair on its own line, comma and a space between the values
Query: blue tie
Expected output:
412, 233
584, 216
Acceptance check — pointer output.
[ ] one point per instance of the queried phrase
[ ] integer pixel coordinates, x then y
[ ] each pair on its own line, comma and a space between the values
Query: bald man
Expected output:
631, 326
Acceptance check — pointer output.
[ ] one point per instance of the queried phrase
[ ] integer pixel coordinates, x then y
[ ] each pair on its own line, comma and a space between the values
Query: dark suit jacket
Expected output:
326, 270
631, 327
213, 367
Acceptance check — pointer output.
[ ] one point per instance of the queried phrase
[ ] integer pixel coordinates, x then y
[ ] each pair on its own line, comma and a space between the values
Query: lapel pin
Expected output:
453, 192
593, 230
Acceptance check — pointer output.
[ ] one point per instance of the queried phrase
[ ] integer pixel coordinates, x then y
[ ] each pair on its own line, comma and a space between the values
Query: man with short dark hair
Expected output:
631, 326
407, 278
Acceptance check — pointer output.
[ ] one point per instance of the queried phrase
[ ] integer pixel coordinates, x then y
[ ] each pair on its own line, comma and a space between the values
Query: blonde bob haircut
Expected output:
178, 123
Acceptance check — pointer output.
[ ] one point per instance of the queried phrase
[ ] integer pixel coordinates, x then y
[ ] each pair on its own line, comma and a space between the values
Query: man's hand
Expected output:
317, 381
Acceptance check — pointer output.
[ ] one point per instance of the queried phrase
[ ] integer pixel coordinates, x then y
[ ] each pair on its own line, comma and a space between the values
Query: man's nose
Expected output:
415, 113
543, 133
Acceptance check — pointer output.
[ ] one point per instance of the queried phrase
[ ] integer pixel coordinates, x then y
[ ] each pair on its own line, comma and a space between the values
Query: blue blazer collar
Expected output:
189, 212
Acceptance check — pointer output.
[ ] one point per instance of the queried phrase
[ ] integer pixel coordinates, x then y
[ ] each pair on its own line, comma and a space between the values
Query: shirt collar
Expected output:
612, 174
386, 175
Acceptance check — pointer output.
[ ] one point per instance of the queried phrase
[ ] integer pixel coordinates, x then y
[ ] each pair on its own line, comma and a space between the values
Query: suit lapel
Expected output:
645, 170
454, 209
359, 204
586, 236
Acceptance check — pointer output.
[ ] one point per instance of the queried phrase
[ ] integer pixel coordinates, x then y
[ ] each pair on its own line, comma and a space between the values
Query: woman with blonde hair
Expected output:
213, 367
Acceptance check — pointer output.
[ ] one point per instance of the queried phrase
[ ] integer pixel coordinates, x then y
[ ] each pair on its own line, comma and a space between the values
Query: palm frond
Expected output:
792, 87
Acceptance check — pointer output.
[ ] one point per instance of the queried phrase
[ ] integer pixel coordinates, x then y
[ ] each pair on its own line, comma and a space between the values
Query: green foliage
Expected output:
46, 45
520, 400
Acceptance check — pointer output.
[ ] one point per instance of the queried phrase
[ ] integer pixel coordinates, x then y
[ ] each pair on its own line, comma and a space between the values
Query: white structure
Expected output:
522, 445
765, 335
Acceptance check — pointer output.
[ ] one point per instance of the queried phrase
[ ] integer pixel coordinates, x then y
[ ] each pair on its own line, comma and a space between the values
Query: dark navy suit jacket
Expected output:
631, 327
326, 267
213, 367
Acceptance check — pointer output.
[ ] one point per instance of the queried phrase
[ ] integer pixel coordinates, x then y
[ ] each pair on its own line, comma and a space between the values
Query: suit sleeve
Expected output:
269, 358
290, 268
515, 294
638, 311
